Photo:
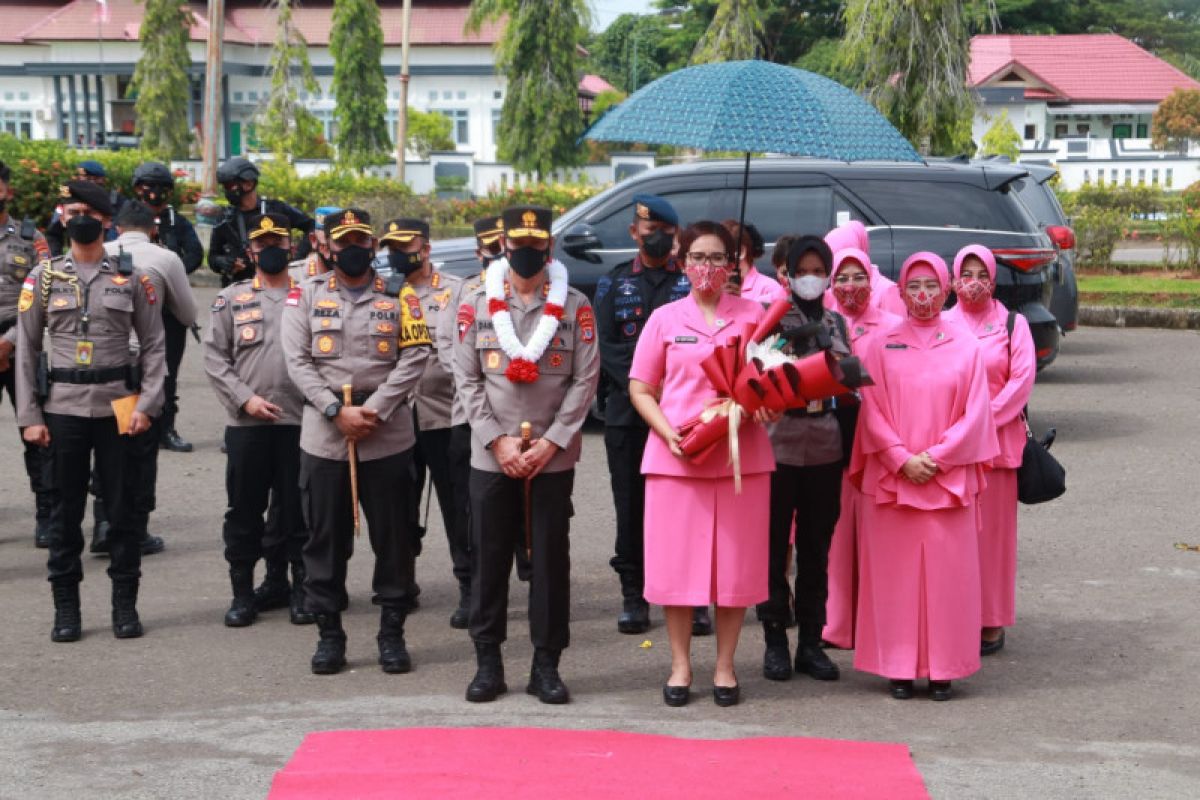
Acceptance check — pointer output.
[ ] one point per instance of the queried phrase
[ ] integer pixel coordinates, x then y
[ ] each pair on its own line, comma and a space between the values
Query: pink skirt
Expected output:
843, 572
705, 544
918, 599
998, 548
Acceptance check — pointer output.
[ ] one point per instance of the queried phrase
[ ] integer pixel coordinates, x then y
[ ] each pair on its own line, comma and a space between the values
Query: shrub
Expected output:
1097, 231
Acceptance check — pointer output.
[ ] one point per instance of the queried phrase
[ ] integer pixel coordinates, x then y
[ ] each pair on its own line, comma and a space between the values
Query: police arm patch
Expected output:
148, 288
466, 318
587, 323
219, 303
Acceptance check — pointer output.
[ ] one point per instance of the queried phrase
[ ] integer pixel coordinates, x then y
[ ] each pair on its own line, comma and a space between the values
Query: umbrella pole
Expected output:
745, 191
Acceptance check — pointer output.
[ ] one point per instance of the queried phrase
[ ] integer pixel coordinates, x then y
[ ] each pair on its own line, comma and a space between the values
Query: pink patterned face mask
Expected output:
706, 278
924, 305
973, 293
853, 297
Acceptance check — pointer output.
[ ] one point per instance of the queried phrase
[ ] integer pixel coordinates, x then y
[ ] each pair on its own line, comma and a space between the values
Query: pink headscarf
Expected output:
979, 251
930, 260
850, 254
851, 235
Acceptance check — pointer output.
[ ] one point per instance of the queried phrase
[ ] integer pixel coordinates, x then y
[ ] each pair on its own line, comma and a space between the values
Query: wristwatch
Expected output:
331, 410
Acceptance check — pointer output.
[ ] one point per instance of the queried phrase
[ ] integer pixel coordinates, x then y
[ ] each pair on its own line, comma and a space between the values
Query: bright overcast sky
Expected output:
605, 11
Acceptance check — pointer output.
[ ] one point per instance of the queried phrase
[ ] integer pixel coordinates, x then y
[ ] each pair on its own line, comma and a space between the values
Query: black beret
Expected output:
87, 192
654, 208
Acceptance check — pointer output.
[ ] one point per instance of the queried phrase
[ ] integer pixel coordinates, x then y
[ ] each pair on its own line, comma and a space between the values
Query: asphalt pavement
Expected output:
1094, 695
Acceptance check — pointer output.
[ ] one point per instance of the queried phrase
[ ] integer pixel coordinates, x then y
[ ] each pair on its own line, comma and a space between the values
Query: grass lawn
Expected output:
1159, 289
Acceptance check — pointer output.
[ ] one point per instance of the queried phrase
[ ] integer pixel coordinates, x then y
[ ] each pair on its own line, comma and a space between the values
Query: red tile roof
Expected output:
1078, 68
434, 22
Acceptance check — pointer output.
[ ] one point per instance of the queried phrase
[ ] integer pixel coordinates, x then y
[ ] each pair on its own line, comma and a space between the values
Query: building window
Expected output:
1170, 178
1031, 131
1087, 177
447, 95
461, 119
1112, 177
1143, 131
1060, 130
497, 95
1154, 177
18, 123
239, 97
1083, 129
462, 95
23, 96
1100, 177
1128, 177
1141, 177
1122, 130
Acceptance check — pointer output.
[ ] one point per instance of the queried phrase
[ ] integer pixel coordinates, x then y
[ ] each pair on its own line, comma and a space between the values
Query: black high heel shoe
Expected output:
940, 690
676, 696
726, 696
901, 690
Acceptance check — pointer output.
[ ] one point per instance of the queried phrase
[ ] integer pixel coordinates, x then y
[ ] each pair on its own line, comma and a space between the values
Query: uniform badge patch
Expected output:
60, 302
466, 318
383, 346
629, 329
493, 359
119, 280
25, 302
384, 305
587, 323
148, 287
385, 327
414, 305
218, 304
248, 334
244, 297
325, 344
328, 304
556, 359
325, 323
442, 299
293, 298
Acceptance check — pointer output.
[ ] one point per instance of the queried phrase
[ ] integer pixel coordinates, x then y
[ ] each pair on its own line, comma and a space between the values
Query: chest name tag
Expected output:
83, 353
686, 340
896, 347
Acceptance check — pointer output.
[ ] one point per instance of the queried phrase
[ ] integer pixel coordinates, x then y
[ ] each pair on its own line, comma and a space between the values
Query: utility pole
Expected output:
402, 117
212, 96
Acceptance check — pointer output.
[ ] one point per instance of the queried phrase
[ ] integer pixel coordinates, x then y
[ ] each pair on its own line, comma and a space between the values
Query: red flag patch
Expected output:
466, 318
293, 298
148, 287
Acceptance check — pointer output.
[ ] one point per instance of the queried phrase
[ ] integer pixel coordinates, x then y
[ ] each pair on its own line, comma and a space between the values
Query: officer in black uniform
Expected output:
21, 247
92, 172
153, 184
227, 249
624, 299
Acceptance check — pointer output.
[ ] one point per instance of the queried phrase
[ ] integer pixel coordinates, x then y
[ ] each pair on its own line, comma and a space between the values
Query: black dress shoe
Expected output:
726, 696
241, 613
175, 443
901, 690
701, 622
676, 696
460, 618
811, 659
152, 544
635, 616
777, 663
940, 690
987, 648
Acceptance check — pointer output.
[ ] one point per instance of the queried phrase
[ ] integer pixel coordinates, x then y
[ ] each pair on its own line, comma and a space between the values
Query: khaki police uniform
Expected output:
90, 313
376, 341
243, 357
556, 405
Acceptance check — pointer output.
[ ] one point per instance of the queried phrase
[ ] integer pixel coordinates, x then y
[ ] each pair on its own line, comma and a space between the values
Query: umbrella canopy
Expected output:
754, 106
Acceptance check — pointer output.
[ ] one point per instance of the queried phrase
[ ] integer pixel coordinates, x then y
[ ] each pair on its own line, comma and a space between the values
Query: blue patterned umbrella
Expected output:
754, 106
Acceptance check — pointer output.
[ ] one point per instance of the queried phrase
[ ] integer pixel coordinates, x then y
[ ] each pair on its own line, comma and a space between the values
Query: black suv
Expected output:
939, 206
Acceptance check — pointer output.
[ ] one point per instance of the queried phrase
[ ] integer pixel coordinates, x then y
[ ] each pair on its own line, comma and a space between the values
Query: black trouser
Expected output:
460, 479
262, 468
497, 521
435, 451
625, 446
326, 500
812, 496
73, 441
144, 488
176, 336
37, 459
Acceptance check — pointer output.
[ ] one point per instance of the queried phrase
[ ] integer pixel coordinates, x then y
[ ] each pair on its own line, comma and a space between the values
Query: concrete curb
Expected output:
1137, 317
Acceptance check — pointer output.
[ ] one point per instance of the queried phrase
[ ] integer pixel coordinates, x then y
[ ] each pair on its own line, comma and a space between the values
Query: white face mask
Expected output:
809, 287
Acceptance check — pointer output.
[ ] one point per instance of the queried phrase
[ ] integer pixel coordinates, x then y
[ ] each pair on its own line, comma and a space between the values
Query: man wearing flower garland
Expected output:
527, 352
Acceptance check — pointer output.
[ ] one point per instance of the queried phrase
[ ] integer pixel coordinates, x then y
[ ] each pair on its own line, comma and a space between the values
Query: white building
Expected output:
1083, 103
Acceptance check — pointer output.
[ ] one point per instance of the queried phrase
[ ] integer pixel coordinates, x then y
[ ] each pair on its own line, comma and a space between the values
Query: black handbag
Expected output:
1040, 478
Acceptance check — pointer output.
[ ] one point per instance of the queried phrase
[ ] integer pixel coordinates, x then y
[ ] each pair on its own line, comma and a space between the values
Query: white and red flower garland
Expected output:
523, 357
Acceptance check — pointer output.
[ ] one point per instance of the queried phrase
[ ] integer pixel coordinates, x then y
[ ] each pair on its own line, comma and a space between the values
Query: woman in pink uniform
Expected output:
884, 293
1011, 369
851, 284
755, 286
703, 543
925, 436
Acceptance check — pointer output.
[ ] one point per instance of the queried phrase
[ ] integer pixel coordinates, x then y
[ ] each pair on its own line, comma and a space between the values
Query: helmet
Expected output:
154, 172
237, 169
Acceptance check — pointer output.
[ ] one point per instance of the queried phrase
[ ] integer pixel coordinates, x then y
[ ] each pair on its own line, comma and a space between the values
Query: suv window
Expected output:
940, 204
1040, 201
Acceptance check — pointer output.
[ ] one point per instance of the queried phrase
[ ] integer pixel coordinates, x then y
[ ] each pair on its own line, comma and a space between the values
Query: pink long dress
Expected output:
853, 235
761, 288
919, 597
1011, 370
840, 606
703, 543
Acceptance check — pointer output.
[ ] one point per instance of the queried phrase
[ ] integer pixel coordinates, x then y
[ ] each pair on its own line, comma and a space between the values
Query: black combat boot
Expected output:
125, 622
296, 611
635, 616
488, 683
67, 624
150, 544
462, 614
41, 533
777, 659
241, 611
331, 646
99, 545
811, 659
172, 441
274, 591
544, 680
701, 621
393, 655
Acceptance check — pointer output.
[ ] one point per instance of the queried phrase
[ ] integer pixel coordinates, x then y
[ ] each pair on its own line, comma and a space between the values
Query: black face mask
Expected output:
84, 229
405, 263
273, 260
234, 194
3, 204
657, 244
354, 260
155, 196
527, 261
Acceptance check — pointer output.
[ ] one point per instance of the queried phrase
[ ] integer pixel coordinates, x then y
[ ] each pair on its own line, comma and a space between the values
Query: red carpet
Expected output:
583, 765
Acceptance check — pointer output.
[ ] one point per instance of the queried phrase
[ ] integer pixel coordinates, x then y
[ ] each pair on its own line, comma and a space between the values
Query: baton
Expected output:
352, 451
526, 441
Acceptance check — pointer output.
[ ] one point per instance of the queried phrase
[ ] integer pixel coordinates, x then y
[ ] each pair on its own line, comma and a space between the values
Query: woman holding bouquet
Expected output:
924, 438
1011, 368
704, 542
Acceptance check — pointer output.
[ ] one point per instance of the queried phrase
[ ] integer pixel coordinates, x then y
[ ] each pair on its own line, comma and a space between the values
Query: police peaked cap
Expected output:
347, 221
487, 229
404, 230
520, 221
87, 192
237, 169
655, 209
154, 172
269, 224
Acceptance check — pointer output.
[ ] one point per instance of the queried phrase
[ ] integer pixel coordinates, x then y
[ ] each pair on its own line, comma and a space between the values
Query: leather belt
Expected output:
93, 375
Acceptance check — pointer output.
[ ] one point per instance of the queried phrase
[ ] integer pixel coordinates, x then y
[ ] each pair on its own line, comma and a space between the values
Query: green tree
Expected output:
824, 58
1177, 120
356, 41
540, 121
160, 83
1001, 138
914, 55
733, 34
283, 123
429, 132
